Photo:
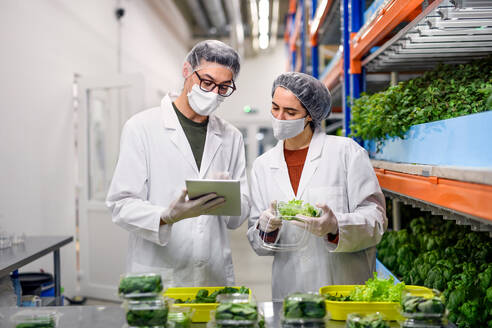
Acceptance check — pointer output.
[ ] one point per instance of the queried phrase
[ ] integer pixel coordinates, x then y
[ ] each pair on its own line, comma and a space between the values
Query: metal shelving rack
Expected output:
443, 32
439, 31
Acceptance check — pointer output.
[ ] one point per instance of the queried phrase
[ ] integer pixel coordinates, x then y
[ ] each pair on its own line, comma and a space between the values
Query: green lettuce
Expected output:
295, 207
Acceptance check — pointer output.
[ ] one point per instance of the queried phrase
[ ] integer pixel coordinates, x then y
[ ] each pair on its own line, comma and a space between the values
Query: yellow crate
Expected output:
202, 310
390, 310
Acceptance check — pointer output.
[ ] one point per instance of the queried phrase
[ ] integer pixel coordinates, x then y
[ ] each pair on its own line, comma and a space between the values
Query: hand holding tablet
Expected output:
230, 190
181, 208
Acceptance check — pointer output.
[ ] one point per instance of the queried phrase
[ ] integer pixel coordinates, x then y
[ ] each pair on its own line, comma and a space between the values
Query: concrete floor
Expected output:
251, 270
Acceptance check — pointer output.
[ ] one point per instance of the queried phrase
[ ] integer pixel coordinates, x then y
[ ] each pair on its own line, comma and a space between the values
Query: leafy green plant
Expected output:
179, 319
236, 311
203, 296
337, 298
147, 317
378, 290
140, 284
297, 206
447, 257
304, 306
43, 324
373, 320
446, 92
375, 290
418, 304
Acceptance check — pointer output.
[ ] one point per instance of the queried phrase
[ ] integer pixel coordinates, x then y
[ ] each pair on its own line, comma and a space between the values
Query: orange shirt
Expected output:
295, 162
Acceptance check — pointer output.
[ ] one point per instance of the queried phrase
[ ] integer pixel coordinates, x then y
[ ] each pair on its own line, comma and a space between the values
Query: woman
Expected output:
333, 173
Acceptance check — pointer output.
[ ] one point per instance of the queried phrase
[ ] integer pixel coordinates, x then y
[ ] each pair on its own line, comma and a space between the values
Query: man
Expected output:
160, 149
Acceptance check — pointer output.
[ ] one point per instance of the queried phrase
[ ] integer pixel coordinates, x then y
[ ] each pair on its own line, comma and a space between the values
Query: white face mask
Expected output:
203, 103
285, 129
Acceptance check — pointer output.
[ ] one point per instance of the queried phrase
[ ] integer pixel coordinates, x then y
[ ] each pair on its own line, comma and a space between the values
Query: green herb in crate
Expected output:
378, 290
261, 322
179, 319
336, 297
236, 311
373, 320
144, 318
35, 318
302, 306
140, 284
417, 304
203, 296
47, 324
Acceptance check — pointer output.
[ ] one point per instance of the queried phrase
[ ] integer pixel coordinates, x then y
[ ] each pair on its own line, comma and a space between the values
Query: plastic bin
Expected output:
304, 310
147, 312
390, 310
138, 285
36, 318
202, 310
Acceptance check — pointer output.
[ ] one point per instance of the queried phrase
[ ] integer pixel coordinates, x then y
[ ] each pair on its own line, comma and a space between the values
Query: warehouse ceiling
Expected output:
213, 18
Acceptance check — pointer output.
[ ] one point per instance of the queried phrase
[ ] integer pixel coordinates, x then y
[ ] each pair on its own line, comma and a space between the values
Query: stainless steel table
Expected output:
76, 316
114, 316
32, 249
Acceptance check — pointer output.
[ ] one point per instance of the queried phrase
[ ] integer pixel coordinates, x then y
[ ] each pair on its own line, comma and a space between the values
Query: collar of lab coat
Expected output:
213, 140
281, 172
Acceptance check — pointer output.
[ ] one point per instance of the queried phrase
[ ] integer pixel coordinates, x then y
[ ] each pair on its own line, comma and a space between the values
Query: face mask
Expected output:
285, 129
203, 103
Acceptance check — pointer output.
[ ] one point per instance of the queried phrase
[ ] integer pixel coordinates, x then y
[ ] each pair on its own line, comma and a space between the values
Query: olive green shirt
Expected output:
196, 133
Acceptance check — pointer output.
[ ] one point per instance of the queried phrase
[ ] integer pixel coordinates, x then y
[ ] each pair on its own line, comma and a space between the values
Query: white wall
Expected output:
254, 87
44, 42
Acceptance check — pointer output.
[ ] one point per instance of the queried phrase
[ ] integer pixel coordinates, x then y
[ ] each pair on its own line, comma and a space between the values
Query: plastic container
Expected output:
179, 317
293, 235
356, 320
202, 310
296, 207
18, 239
304, 310
424, 323
5, 240
150, 312
36, 319
339, 310
138, 285
423, 312
235, 311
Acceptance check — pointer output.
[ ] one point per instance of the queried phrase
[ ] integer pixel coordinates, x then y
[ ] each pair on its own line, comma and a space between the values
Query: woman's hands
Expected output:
268, 220
319, 226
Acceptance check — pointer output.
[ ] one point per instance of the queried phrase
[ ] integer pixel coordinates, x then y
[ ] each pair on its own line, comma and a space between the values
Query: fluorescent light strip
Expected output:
254, 23
263, 23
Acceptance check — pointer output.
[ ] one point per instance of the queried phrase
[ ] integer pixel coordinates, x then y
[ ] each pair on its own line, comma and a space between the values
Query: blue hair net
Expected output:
214, 51
311, 92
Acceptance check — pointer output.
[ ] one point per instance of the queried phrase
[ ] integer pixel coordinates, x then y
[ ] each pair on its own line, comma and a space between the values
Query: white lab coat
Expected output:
154, 162
337, 172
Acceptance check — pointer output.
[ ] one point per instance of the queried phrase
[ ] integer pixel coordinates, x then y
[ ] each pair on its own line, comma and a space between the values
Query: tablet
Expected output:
229, 189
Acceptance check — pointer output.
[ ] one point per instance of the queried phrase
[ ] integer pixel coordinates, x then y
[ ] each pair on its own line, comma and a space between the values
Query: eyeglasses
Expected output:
225, 90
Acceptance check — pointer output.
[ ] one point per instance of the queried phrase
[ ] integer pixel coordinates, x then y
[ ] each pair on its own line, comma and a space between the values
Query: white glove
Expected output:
325, 224
181, 208
268, 220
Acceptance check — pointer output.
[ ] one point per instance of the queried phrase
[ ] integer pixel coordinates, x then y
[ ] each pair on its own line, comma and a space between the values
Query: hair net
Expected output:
311, 92
214, 51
